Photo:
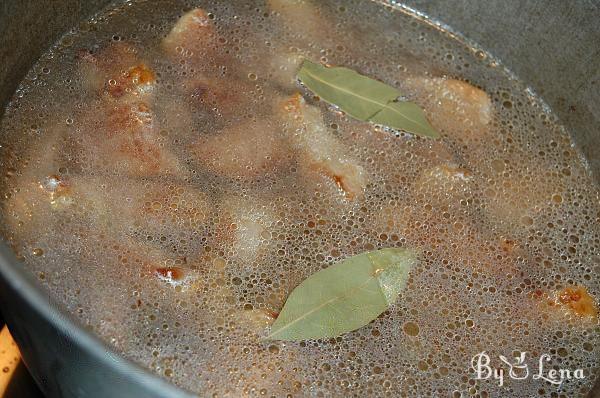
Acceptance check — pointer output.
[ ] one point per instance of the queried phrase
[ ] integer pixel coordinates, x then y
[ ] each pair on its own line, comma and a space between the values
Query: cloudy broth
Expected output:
156, 184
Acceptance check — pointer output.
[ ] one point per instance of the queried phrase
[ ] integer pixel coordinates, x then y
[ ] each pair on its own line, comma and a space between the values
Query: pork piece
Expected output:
214, 82
123, 139
39, 190
446, 186
177, 122
246, 151
117, 72
572, 304
448, 233
192, 37
284, 68
244, 229
229, 98
118, 133
514, 198
455, 107
305, 28
319, 150
194, 42
256, 320
37, 203
301, 17
163, 213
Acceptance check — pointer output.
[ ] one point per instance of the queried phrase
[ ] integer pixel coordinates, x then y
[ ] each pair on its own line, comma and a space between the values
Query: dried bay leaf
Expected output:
344, 296
359, 96
364, 98
406, 116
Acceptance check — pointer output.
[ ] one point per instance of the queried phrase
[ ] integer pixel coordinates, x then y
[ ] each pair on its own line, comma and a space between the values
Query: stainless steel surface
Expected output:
553, 45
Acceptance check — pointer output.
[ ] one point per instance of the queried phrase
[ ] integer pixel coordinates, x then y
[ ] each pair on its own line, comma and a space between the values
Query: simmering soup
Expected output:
168, 178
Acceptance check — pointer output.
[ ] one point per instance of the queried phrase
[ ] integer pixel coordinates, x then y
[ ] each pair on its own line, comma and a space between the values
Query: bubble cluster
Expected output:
156, 193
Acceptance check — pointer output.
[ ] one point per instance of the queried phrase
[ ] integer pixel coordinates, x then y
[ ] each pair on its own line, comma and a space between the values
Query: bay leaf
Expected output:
345, 296
406, 116
359, 96
365, 98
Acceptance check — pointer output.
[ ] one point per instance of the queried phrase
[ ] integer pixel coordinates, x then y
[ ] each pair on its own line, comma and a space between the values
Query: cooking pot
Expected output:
554, 46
